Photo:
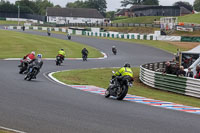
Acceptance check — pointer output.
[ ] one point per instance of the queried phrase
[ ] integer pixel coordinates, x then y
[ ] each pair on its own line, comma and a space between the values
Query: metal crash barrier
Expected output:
151, 75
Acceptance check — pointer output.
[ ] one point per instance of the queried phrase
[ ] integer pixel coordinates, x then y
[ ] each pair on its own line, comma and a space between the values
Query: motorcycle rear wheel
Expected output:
123, 93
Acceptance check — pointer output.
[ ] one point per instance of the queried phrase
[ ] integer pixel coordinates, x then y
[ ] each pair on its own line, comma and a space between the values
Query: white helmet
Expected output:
113, 46
33, 52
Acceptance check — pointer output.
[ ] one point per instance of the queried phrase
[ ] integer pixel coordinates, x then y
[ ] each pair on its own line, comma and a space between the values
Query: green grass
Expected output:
191, 18
139, 20
101, 77
16, 45
3, 131
166, 46
141, 30
2, 22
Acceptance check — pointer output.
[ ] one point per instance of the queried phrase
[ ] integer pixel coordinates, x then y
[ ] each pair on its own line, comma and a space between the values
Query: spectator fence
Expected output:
151, 75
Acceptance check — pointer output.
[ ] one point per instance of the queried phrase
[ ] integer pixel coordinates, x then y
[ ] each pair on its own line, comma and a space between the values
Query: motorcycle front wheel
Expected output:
107, 93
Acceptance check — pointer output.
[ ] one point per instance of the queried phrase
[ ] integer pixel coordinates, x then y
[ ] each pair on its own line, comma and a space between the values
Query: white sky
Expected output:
115, 4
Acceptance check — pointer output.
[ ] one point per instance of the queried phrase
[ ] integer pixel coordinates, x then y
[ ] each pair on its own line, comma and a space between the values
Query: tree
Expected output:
110, 14
76, 4
139, 2
42, 5
150, 2
57, 6
100, 5
187, 5
26, 6
197, 5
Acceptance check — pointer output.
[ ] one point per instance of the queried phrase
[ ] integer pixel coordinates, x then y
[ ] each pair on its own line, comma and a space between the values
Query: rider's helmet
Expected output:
33, 52
127, 65
62, 49
39, 55
113, 46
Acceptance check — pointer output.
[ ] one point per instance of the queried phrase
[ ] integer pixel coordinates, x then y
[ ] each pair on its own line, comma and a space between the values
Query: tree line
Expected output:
26, 6
39, 6
187, 5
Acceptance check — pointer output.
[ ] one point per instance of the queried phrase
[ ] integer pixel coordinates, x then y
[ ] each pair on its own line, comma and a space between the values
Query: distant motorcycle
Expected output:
58, 60
48, 33
69, 37
118, 89
114, 50
84, 57
32, 73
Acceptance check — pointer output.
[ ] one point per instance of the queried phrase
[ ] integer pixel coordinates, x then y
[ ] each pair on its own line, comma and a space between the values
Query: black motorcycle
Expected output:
32, 73
118, 89
58, 60
84, 57
23, 67
69, 37
114, 50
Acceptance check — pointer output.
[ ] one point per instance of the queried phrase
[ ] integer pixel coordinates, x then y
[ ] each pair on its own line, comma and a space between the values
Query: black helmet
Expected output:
62, 49
127, 65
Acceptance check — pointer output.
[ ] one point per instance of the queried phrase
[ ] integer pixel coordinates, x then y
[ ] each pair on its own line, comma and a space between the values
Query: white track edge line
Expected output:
100, 58
12, 130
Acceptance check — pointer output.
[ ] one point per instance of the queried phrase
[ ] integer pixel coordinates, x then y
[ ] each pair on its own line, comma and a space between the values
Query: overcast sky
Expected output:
115, 4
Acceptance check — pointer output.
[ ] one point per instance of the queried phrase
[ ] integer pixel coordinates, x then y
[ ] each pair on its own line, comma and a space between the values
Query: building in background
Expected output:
153, 10
124, 12
73, 15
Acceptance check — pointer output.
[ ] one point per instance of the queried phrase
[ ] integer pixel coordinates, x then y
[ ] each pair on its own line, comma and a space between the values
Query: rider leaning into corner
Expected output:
84, 51
38, 62
62, 54
124, 73
114, 49
28, 58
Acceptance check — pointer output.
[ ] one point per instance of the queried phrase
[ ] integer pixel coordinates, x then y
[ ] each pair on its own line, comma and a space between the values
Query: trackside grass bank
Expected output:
4, 22
16, 45
166, 46
101, 77
3, 131
191, 18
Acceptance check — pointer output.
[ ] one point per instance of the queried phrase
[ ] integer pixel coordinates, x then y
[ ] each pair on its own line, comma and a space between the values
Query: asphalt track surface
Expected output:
43, 106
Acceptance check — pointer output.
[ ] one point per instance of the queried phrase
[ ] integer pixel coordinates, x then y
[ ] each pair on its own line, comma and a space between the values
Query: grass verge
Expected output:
163, 45
3, 22
190, 18
141, 30
16, 45
166, 46
139, 20
4, 131
89, 77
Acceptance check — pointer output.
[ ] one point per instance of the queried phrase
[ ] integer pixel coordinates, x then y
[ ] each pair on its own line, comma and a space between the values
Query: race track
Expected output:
43, 106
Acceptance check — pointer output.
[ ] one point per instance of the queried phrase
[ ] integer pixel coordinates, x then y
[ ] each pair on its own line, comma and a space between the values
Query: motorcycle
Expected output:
118, 89
69, 37
84, 57
114, 51
32, 73
23, 66
58, 60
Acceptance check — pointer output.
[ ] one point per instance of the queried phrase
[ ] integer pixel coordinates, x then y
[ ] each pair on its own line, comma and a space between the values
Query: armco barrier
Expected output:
116, 35
150, 76
190, 39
